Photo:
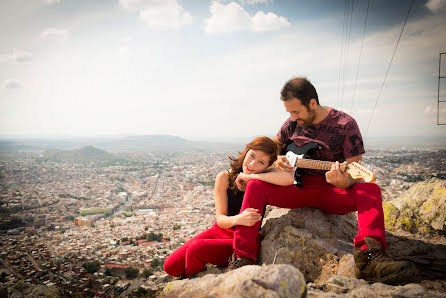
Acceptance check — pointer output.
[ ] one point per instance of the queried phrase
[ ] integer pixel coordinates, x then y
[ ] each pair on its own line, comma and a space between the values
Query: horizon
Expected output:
211, 69
112, 143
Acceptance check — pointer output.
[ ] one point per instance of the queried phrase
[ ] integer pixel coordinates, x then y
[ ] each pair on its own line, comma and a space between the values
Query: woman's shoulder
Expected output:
223, 175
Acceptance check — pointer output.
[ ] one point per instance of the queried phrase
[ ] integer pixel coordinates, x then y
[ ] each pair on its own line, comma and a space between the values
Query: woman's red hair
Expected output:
264, 144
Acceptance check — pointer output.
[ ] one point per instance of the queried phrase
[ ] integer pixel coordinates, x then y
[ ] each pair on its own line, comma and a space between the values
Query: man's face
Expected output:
298, 112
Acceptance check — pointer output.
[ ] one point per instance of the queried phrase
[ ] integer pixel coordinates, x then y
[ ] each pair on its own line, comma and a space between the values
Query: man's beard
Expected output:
307, 122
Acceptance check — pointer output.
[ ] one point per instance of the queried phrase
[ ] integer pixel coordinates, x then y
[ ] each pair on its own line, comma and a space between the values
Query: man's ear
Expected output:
313, 103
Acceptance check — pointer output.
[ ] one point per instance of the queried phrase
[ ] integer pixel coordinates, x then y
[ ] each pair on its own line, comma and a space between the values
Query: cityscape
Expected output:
90, 227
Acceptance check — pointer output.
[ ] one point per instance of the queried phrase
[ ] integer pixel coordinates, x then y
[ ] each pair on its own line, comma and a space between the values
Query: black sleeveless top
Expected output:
235, 201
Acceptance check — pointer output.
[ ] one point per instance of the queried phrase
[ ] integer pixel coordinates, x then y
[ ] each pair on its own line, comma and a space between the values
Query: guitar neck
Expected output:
316, 164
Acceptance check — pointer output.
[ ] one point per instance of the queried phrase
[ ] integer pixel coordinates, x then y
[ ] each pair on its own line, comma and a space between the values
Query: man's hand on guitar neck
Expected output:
283, 163
339, 178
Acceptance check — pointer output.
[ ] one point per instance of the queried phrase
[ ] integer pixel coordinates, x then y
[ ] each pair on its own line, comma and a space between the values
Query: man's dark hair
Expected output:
299, 88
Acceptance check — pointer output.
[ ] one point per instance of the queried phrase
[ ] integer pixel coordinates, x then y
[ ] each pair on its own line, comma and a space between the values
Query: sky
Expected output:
214, 69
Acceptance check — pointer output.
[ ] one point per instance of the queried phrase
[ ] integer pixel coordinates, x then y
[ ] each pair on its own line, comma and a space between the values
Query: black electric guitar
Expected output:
296, 156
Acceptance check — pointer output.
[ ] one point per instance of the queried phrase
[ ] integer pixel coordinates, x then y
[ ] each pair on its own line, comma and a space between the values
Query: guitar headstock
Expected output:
358, 171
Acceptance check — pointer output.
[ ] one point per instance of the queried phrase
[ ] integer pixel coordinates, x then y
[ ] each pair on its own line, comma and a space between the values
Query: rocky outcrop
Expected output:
341, 286
25, 289
247, 281
421, 209
320, 245
317, 243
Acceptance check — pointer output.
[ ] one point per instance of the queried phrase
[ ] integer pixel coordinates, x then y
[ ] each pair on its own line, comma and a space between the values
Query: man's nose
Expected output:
293, 117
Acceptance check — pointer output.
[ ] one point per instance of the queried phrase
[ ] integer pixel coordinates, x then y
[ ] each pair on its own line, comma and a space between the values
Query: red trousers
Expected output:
362, 197
212, 246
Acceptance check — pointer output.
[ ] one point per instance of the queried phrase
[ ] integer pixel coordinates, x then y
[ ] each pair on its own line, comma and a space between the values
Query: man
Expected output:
334, 191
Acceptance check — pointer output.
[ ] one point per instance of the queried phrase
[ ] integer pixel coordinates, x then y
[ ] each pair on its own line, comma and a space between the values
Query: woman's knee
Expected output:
173, 266
257, 185
194, 248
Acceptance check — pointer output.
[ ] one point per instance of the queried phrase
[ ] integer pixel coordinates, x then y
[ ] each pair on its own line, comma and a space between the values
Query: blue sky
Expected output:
214, 69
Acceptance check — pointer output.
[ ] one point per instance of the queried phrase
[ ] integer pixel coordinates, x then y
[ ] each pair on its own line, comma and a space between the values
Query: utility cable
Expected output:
359, 58
390, 64
342, 53
346, 56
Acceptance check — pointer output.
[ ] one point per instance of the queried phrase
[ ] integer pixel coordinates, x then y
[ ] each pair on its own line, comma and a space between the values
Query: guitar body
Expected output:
302, 152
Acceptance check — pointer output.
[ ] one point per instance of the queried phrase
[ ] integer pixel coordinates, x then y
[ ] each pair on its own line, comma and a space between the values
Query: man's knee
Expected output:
369, 189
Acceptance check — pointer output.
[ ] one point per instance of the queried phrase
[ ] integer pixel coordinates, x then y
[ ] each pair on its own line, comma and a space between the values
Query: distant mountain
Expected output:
84, 154
162, 143
148, 143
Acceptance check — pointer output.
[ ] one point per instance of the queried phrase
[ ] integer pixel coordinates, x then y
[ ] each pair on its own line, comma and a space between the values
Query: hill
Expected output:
84, 154
147, 143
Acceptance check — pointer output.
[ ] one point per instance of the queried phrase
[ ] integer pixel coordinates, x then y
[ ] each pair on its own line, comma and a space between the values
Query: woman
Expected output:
215, 244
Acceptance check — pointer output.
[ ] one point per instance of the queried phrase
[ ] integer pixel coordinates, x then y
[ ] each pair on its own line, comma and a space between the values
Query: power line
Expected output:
346, 55
359, 59
342, 52
390, 64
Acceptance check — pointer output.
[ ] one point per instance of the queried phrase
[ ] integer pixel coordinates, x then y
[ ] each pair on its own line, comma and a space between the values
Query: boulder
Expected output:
247, 281
421, 209
320, 245
342, 286
317, 243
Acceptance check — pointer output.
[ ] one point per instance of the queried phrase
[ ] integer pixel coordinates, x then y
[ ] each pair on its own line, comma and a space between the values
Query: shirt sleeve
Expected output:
353, 143
286, 131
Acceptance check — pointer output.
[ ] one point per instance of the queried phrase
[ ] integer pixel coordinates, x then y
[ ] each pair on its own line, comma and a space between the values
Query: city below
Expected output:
107, 225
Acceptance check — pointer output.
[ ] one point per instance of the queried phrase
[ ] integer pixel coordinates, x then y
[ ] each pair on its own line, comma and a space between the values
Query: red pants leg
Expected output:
363, 197
211, 246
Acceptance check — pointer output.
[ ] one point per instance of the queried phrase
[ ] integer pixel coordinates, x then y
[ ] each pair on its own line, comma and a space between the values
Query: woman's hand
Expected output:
248, 217
242, 179
283, 163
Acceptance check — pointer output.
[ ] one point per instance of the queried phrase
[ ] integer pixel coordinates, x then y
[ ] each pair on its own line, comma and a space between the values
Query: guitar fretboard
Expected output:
316, 164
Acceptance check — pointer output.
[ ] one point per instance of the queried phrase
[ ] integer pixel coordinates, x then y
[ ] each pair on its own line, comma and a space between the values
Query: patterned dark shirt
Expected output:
338, 135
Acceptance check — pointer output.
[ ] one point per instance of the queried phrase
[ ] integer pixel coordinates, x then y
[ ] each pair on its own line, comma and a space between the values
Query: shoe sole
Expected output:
404, 275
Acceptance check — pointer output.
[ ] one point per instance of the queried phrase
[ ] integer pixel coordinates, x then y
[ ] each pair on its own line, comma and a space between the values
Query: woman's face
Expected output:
255, 161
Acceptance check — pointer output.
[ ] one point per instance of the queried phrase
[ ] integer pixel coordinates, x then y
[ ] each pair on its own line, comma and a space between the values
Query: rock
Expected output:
320, 245
429, 255
420, 209
25, 289
359, 288
310, 240
247, 281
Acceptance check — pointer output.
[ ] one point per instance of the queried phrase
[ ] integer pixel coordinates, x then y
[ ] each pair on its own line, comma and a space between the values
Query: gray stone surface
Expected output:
247, 281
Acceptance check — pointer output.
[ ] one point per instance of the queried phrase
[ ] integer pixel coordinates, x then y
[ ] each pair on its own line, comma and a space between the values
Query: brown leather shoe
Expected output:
374, 265
235, 262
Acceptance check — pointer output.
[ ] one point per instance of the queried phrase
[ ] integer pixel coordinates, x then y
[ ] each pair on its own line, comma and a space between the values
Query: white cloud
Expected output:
52, 1
21, 56
436, 5
255, 1
167, 14
11, 84
17, 56
232, 17
55, 34
269, 21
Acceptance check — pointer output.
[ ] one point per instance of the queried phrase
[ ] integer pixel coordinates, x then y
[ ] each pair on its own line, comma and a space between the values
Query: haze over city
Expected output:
214, 69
